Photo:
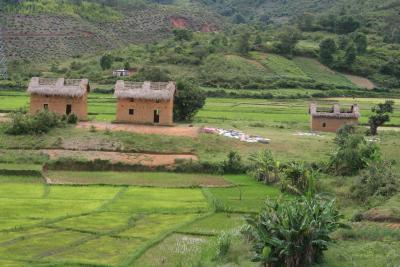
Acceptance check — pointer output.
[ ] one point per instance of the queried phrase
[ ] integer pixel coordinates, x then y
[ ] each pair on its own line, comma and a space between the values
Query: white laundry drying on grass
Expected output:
237, 135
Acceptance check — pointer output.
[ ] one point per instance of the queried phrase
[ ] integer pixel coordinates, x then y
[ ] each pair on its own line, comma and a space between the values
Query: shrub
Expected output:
70, 119
264, 167
224, 243
293, 233
378, 180
41, 122
352, 153
298, 178
234, 164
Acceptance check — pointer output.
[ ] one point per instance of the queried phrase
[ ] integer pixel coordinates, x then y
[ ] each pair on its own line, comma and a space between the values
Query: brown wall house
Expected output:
145, 103
333, 120
60, 96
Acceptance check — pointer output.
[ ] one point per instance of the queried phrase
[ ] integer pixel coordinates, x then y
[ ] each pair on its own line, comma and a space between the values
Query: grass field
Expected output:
154, 179
104, 225
170, 219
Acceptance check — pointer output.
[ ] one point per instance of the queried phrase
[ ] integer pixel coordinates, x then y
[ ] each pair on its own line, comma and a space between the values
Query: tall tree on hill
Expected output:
306, 22
243, 43
380, 116
326, 50
288, 38
351, 54
182, 35
361, 42
106, 61
346, 24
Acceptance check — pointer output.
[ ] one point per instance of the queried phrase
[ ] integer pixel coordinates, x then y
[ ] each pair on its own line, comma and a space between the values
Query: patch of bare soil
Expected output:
143, 129
361, 81
4, 117
151, 160
179, 22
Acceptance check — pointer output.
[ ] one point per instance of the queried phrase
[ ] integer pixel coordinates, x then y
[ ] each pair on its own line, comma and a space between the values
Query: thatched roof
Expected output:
58, 87
145, 90
352, 113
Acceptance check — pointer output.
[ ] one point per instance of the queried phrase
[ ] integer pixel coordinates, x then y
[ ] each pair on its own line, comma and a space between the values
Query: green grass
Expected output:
321, 73
248, 196
280, 65
154, 179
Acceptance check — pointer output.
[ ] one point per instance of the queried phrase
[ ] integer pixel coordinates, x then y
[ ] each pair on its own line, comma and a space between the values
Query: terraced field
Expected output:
110, 225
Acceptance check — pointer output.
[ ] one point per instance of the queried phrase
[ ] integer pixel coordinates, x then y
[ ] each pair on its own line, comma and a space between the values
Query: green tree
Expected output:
243, 46
351, 54
352, 153
153, 74
293, 233
106, 61
326, 50
346, 24
264, 167
182, 35
306, 22
361, 42
188, 101
298, 178
288, 38
258, 41
380, 115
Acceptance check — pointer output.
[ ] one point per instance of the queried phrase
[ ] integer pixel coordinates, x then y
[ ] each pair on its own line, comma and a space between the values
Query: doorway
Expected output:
68, 109
156, 116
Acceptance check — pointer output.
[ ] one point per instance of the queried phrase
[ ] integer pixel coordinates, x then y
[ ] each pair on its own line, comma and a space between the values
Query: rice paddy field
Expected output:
102, 107
113, 225
91, 218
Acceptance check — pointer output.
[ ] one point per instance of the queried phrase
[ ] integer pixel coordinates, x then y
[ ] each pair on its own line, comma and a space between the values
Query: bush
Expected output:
264, 167
352, 153
72, 118
41, 122
293, 233
233, 164
224, 244
298, 178
378, 180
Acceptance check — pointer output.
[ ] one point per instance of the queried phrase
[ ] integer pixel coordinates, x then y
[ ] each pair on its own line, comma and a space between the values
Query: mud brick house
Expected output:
61, 96
332, 120
145, 103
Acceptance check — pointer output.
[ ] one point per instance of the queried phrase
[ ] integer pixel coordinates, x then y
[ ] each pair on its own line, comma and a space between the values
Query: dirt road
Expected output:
143, 129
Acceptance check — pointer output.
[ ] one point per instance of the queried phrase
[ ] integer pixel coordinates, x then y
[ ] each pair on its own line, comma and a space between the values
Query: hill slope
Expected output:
58, 30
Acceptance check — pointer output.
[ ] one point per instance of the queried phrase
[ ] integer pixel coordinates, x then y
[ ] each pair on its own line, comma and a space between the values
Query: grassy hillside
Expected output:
42, 30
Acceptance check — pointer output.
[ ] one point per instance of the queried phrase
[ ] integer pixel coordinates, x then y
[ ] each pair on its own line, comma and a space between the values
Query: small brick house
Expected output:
332, 120
61, 96
145, 102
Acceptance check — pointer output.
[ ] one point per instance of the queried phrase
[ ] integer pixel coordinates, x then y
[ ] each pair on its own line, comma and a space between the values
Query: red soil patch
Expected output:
143, 129
147, 159
179, 22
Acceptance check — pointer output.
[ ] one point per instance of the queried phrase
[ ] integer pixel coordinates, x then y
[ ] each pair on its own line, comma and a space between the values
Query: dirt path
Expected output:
115, 157
143, 129
361, 81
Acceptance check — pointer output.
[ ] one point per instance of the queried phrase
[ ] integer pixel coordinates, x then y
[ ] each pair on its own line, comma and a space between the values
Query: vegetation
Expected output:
42, 122
380, 116
294, 233
188, 101
353, 153
378, 180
